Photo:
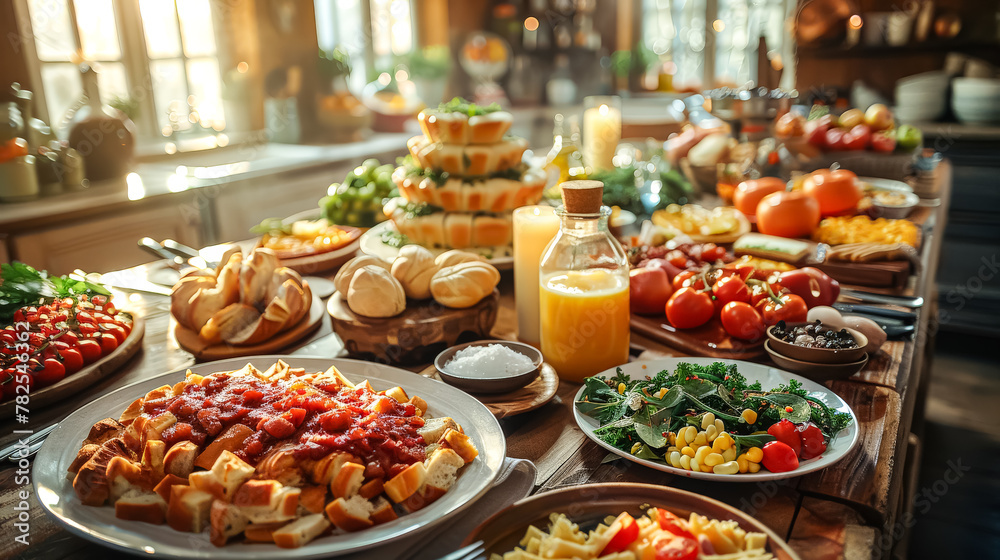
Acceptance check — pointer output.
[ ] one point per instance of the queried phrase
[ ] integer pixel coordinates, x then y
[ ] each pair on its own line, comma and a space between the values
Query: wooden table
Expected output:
846, 511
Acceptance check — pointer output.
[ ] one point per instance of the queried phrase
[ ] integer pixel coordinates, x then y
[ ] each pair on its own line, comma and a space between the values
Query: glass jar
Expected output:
584, 297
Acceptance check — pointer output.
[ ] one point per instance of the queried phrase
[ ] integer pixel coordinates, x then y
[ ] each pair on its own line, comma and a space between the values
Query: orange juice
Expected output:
585, 321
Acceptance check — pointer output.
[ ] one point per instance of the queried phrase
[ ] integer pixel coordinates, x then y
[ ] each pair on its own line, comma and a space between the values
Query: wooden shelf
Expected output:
879, 51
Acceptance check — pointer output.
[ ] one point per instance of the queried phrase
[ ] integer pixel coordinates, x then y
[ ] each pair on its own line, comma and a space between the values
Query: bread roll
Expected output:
465, 284
375, 293
413, 268
342, 281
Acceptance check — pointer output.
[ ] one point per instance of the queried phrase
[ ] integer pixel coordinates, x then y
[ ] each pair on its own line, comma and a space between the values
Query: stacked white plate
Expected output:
921, 97
976, 100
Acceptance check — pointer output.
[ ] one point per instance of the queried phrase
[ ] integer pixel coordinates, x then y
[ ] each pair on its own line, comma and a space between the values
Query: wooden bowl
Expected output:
588, 505
495, 384
416, 335
818, 355
814, 371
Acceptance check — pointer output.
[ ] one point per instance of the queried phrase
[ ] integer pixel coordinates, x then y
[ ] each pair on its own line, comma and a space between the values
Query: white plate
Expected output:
99, 524
371, 244
769, 377
886, 184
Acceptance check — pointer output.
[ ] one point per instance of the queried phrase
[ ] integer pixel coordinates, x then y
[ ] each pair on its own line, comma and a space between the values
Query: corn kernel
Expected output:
672, 438
719, 425
673, 448
700, 439
754, 467
749, 416
685, 462
714, 459
674, 458
729, 454
688, 450
755, 454
690, 432
730, 467
722, 443
621, 388
706, 469
701, 453
743, 463
695, 465
662, 392
707, 420
636, 447
711, 432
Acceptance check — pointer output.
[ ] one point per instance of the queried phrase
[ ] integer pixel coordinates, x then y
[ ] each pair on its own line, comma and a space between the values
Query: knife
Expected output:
14, 450
898, 332
192, 255
132, 285
903, 301
150, 245
907, 316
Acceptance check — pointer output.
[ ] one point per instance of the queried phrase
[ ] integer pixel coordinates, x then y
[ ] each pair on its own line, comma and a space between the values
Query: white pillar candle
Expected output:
534, 227
602, 131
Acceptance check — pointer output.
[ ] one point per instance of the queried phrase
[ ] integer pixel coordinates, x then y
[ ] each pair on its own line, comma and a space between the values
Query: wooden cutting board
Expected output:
414, 336
190, 341
891, 274
73, 384
709, 340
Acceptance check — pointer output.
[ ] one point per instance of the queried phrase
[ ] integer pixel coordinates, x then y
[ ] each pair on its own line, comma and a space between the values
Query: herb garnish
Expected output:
23, 285
459, 105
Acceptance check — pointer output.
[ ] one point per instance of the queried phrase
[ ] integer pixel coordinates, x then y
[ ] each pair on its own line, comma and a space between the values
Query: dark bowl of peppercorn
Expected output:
817, 343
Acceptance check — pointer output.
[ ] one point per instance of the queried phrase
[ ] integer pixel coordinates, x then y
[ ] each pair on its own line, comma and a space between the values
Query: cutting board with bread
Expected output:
886, 265
245, 306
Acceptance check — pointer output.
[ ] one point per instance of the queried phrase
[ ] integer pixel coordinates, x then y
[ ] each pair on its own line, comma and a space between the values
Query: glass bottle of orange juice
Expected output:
584, 288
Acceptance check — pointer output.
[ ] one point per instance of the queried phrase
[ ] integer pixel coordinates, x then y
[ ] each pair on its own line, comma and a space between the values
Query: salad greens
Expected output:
459, 105
644, 410
23, 285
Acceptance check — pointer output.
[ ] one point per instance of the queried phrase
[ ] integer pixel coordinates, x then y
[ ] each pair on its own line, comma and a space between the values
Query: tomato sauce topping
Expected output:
375, 428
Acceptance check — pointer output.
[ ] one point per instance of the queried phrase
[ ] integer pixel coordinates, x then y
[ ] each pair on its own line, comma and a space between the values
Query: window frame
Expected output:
134, 57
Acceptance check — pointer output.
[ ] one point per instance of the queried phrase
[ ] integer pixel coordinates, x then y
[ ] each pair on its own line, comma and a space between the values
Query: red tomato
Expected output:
749, 193
730, 288
114, 330
759, 291
624, 531
689, 308
72, 359
711, 252
11, 380
778, 457
677, 548
813, 442
13, 148
672, 523
788, 214
90, 349
53, 372
786, 432
742, 321
671, 270
858, 137
836, 191
834, 139
884, 142
785, 307
677, 258
688, 278
649, 290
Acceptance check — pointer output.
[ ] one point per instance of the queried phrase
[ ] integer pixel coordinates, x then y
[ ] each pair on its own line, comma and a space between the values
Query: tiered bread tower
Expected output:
464, 180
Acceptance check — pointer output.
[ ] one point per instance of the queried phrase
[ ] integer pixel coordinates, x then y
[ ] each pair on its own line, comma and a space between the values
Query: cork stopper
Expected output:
582, 197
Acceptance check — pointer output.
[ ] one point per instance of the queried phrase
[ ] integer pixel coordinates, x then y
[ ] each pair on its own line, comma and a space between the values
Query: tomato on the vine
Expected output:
711, 252
742, 321
785, 307
108, 343
53, 371
115, 330
689, 308
730, 288
688, 278
72, 359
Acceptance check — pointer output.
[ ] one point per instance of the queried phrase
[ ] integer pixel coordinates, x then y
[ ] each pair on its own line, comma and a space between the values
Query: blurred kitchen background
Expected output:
226, 112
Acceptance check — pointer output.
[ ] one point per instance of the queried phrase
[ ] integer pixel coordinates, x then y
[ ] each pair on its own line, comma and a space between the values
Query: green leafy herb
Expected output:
23, 285
394, 239
459, 105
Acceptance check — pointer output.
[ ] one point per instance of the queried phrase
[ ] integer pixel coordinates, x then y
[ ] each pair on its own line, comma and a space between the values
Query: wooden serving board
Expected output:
890, 274
525, 399
73, 384
190, 341
414, 336
709, 340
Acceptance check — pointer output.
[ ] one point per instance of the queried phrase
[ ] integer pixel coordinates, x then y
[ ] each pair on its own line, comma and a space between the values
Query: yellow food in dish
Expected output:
617, 539
861, 229
693, 219
308, 238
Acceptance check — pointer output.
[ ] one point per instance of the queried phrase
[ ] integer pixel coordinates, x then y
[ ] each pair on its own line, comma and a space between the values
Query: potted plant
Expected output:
337, 109
429, 69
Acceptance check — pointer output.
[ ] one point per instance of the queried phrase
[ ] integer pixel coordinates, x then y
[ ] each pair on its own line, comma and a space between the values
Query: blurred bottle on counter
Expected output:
584, 288
565, 156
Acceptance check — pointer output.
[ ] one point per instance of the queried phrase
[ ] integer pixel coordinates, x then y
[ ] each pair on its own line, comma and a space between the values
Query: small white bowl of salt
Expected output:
489, 366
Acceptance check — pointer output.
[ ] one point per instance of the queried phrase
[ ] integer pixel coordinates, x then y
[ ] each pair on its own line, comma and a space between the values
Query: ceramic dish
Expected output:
590, 504
492, 384
818, 355
838, 448
98, 524
530, 397
815, 371
371, 244
895, 211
